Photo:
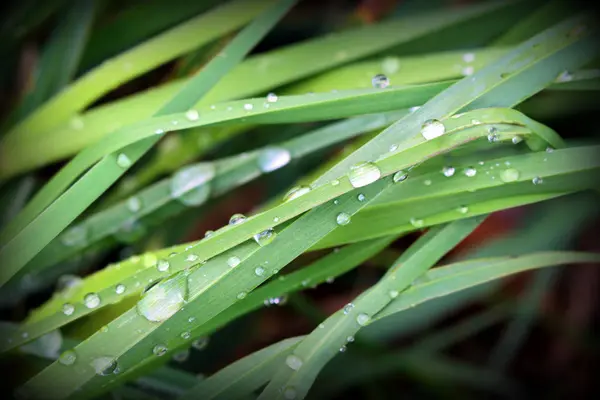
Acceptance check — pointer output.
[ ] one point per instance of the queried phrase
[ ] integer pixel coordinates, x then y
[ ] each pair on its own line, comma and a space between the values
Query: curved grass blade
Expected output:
44, 227
245, 375
322, 344
448, 279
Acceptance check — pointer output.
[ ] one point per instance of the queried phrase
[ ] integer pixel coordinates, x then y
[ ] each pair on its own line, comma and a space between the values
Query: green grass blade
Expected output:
243, 376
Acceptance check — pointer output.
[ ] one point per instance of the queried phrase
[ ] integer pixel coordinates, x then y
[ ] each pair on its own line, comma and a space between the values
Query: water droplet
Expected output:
549, 149
342, 219
321, 326
380, 81
448, 171
208, 234
393, 294
427, 182
277, 301
343, 349
336, 202
272, 158
330, 279
75, 236
413, 109
186, 335
347, 308
164, 299
191, 185
123, 161
296, 192
162, 265
468, 57
237, 219
68, 357
91, 300
362, 319
432, 128
233, 261
272, 98
290, 393
463, 209
399, 176
68, 308
537, 180
248, 106
191, 319
181, 356
335, 182
192, 257
104, 365
294, 362
417, 223
362, 174
159, 132
200, 343
361, 197
390, 65
192, 115
159, 350
259, 271
509, 175
134, 204
470, 172
564, 76
120, 288
393, 148
466, 71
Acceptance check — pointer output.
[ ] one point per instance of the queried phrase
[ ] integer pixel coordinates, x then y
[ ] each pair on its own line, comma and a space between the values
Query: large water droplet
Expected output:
191, 185
470, 172
448, 171
237, 219
68, 309
192, 115
91, 300
296, 192
104, 365
380, 81
68, 357
233, 261
159, 350
75, 236
200, 343
509, 175
432, 128
123, 161
362, 319
265, 237
362, 174
273, 158
294, 362
120, 288
164, 299
342, 219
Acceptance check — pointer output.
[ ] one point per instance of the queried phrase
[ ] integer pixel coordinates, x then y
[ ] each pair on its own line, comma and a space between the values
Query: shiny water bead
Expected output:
347, 308
159, 350
335, 182
248, 106
164, 299
399, 176
192, 115
277, 301
272, 158
294, 362
564, 76
68, 308
393, 294
393, 148
104, 365
350, 339
361, 197
186, 335
549, 149
390, 65
241, 295
192, 258
200, 343
516, 140
191, 185
463, 209
259, 271
123, 161
134, 204
427, 182
68, 357
120, 288
432, 128
362, 319
470, 172
380, 81
162, 265
272, 98
159, 132
413, 109
362, 174
448, 171
342, 219
343, 349
296, 192
509, 175
237, 219
208, 234
233, 261
91, 300
537, 180
75, 236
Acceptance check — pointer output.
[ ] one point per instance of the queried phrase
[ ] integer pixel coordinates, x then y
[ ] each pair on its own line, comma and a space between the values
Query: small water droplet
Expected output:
164, 299
296, 192
468, 57
290, 393
75, 236
68, 308
120, 288
104, 365
413, 109
516, 140
564, 76
347, 308
335, 182
200, 343
537, 180
68, 357
272, 98
470, 172
509, 175
393, 294
233, 261
134, 204
162, 265
342, 219
272, 158
192, 258
241, 295
448, 171
294, 362
466, 71
181, 356
265, 237
123, 161
159, 132
549, 149
248, 106
362, 319
399, 176
192, 115
432, 128
321, 326
463, 209
417, 223
259, 271
185, 335
380, 81
364, 173
208, 234
237, 219
159, 350
393, 148
427, 182
361, 197
191, 185
91, 300
343, 349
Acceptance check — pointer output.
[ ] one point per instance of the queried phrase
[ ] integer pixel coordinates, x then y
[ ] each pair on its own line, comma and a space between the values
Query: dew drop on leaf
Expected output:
259, 271
91, 300
159, 350
347, 308
417, 223
432, 128
191, 185
272, 158
104, 365
393, 294
181, 356
272, 98
164, 299
380, 81
362, 319
123, 161
134, 204
399, 176
162, 265
237, 219
294, 362
296, 192
342, 219
509, 175
200, 343
192, 115
470, 172
537, 180
233, 261
364, 173
448, 171
120, 288
68, 357
68, 309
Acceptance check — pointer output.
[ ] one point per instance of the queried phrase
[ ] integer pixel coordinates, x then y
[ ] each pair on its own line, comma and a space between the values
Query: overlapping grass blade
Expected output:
32, 235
